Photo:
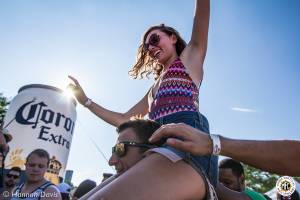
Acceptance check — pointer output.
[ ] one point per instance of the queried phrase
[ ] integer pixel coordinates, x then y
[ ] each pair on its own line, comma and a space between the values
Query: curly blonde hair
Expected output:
145, 65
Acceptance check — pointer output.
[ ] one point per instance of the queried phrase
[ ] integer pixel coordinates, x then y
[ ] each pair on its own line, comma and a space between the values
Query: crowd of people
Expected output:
173, 150
35, 186
136, 140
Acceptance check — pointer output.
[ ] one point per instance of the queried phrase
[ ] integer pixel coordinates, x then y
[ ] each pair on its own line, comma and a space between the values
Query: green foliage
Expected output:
261, 181
258, 180
3, 107
297, 179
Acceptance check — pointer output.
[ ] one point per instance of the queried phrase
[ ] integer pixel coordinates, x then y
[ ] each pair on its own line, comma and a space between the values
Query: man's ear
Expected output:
242, 179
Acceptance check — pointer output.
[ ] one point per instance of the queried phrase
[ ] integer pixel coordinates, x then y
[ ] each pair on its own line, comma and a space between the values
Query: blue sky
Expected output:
251, 84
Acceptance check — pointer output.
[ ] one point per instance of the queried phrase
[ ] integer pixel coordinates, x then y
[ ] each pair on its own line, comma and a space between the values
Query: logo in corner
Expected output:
285, 186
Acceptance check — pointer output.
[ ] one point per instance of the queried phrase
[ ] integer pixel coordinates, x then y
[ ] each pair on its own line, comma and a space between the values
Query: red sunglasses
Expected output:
153, 40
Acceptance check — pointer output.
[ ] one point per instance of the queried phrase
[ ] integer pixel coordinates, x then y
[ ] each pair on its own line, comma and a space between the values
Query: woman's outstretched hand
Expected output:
77, 90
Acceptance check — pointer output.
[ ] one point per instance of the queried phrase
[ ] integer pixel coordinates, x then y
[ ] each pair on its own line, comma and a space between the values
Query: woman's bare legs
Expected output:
155, 177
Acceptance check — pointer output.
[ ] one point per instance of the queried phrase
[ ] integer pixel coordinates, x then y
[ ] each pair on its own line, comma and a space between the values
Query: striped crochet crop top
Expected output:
177, 92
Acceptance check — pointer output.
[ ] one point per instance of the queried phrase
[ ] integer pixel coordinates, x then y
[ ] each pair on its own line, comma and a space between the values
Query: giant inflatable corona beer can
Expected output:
40, 116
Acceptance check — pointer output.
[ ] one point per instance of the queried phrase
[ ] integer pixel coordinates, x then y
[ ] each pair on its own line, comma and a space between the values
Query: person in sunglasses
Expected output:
130, 148
11, 179
173, 98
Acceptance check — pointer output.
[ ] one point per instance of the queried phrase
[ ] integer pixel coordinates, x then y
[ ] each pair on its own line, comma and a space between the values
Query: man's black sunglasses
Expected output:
120, 148
12, 176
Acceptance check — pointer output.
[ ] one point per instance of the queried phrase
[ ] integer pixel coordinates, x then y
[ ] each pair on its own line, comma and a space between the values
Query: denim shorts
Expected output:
207, 164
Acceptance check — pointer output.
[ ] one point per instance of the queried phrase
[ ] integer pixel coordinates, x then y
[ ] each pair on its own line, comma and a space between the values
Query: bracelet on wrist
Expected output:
216, 144
88, 102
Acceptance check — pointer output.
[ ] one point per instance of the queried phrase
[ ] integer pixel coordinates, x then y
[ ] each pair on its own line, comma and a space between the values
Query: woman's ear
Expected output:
173, 38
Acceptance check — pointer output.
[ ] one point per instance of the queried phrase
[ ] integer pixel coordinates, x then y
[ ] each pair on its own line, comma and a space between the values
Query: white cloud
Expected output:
239, 109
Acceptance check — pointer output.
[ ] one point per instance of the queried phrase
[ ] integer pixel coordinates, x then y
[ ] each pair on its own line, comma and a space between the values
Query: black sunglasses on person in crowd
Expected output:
120, 148
12, 176
153, 40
